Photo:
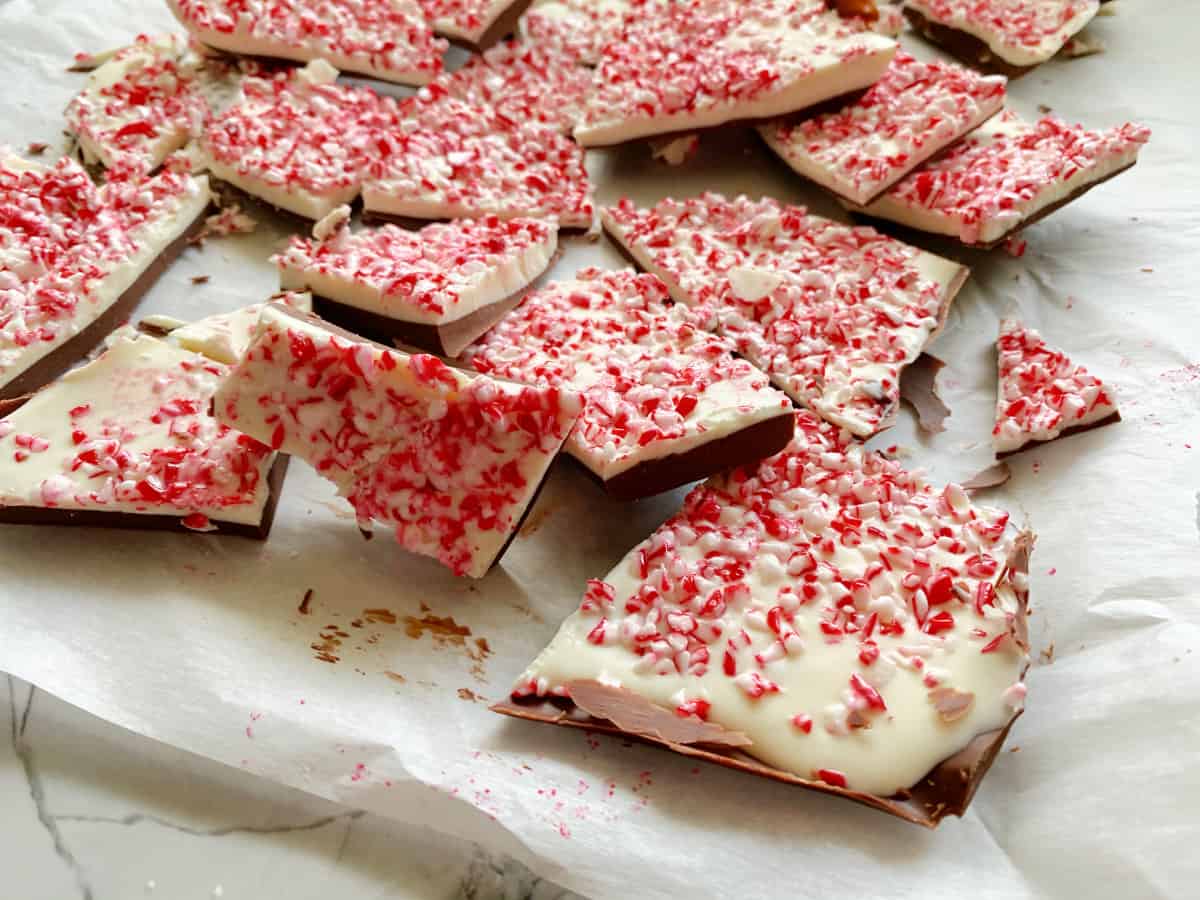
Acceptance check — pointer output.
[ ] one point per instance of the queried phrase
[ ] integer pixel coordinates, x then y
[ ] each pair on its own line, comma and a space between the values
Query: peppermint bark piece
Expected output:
1007, 175
665, 403
75, 258
832, 313
1009, 37
477, 24
384, 39
127, 441
449, 160
299, 141
520, 83
1042, 394
914, 111
141, 105
438, 289
825, 618
704, 63
451, 462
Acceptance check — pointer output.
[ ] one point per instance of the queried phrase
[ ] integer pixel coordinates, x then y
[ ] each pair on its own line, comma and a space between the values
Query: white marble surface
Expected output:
88, 810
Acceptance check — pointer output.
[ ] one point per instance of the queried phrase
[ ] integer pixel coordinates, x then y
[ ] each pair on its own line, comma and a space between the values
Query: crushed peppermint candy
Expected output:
1042, 393
130, 433
385, 39
702, 63
831, 312
805, 600
436, 275
1006, 172
1020, 32
520, 83
917, 109
299, 141
449, 461
654, 383
465, 20
69, 249
448, 159
230, 220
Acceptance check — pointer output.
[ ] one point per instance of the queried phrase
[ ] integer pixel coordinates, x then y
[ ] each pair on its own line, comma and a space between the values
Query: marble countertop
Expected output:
91, 811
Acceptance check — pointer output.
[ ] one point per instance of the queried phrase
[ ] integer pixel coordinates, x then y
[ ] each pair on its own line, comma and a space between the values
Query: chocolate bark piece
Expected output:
384, 39
946, 790
918, 387
128, 441
452, 463
748, 61
657, 476
1006, 175
87, 340
436, 289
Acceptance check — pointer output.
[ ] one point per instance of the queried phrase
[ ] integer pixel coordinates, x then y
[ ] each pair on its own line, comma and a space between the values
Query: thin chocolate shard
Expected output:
634, 714
947, 790
918, 388
993, 476
1066, 432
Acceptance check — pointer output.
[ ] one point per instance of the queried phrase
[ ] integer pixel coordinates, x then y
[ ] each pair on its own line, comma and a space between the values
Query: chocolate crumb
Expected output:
200, 279
1048, 654
467, 694
1044, 109
396, 677
303, 608
37, 149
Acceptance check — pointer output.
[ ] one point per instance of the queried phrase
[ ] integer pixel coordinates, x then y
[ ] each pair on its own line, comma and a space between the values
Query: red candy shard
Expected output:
1042, 394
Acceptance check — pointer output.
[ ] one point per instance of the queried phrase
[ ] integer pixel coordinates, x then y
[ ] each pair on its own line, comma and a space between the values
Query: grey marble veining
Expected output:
93, 812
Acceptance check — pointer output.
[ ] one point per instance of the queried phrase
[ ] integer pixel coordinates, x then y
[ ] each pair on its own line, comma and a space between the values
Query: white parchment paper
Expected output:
198, 641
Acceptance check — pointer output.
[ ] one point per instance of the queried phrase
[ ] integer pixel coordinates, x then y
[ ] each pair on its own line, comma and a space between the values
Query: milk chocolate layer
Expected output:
100, 518
1066, 432
745, 447
65, 356
946, 790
